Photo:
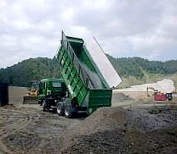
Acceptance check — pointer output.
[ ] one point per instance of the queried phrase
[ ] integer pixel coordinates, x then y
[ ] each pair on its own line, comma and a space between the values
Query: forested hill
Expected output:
38, 68
138, 67
31, 69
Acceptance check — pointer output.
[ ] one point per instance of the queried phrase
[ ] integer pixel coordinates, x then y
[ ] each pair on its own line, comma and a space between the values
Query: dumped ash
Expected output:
117, 130
101, 132
150, 119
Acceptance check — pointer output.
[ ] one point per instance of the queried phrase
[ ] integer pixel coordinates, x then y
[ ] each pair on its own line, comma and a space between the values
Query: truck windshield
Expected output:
56, 84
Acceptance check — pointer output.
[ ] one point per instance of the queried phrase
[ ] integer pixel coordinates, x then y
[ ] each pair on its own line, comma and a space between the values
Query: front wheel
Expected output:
44, 106
40, 102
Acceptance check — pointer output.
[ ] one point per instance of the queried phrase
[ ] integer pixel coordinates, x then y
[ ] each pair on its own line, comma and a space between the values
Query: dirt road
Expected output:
29, 130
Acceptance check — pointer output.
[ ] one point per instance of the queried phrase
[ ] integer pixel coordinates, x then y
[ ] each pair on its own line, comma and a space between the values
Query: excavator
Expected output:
158, 95
31, 96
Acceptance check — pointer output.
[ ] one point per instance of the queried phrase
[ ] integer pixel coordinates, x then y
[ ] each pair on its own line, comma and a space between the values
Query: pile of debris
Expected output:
117, 130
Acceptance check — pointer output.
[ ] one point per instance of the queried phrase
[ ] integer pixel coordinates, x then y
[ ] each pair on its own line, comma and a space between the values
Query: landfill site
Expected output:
130, 126
83, 113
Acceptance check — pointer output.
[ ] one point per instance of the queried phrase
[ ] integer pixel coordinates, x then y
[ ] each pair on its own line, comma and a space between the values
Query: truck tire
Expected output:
40, 102
44, 106
67, 111
60, 109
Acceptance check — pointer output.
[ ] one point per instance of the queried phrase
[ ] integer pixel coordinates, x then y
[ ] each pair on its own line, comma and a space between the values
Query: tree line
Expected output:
38, 68
138, 67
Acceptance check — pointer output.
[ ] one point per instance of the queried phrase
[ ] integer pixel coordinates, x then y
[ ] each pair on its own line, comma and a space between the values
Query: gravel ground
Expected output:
141, 127
140, 130
154, 118
30, 130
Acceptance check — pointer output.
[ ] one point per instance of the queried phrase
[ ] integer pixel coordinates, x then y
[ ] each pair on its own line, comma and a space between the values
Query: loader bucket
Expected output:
30, 100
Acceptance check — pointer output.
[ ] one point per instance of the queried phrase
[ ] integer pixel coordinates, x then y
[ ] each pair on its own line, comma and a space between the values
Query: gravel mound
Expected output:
120, 97
152, 119
97, 133
117, 130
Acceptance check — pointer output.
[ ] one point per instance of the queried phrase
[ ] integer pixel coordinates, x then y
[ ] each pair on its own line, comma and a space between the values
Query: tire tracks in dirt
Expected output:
22, 120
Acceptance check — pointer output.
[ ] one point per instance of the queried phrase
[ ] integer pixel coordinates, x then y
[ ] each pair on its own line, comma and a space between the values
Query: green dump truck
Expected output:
89, 77
50, 91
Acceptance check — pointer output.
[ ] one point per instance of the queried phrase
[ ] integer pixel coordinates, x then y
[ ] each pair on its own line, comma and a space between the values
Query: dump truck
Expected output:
88, 75
50, 91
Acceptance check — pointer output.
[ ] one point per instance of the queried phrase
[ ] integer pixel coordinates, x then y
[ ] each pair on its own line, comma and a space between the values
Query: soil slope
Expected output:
116, 130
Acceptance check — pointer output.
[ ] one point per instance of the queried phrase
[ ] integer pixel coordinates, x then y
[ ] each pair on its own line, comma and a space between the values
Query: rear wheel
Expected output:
60, 109
68, 112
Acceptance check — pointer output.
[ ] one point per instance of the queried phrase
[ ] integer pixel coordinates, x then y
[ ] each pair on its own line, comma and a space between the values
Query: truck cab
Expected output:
51, 91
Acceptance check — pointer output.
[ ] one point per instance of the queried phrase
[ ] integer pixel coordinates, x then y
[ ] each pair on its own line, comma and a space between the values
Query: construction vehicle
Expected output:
158, 95
51, 91
31, 96
88, 75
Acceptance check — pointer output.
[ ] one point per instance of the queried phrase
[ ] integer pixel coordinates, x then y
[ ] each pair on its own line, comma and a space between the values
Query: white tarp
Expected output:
104, 65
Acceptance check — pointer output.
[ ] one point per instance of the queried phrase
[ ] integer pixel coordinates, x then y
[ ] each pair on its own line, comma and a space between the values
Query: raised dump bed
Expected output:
87, 86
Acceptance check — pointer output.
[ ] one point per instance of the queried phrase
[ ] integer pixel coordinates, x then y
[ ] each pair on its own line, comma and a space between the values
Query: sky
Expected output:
123, 28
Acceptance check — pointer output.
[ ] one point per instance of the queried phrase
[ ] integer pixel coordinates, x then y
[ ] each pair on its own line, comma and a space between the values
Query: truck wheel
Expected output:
44, 109
68, 112
44, 105
40, 102
60, 109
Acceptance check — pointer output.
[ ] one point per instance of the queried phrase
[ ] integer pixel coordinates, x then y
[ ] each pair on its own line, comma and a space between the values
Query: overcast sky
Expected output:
124, 28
